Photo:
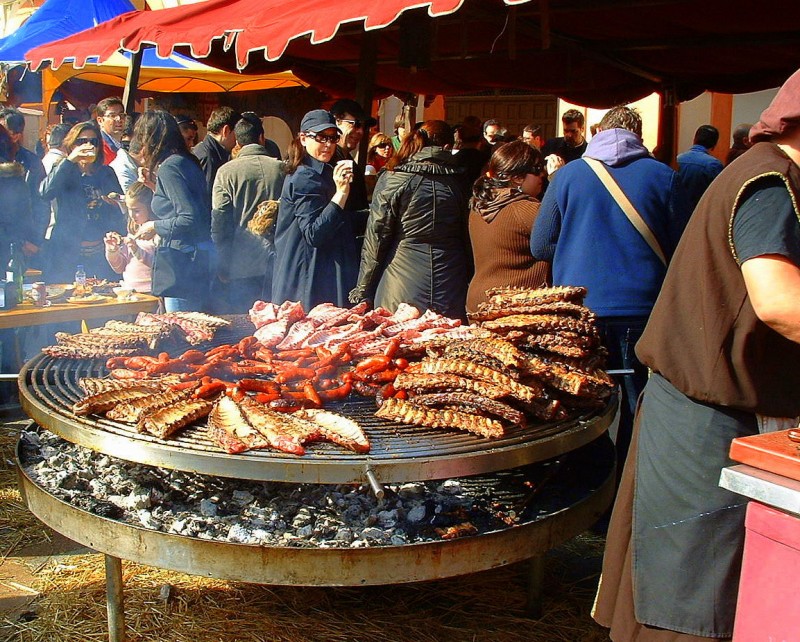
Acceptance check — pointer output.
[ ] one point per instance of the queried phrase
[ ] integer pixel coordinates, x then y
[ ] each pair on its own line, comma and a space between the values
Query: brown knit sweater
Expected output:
501, 250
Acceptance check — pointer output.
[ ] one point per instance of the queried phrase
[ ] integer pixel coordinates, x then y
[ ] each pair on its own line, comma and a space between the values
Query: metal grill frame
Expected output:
554, 522
399, 453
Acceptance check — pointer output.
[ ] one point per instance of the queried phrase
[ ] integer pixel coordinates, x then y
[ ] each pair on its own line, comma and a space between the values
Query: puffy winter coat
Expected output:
415, 246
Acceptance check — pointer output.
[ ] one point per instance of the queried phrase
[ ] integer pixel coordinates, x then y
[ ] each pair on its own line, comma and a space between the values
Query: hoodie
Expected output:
589, 240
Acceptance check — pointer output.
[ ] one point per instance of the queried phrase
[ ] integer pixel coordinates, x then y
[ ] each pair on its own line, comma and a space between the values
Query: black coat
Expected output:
212, 155
415, 246
16, 224
316, 260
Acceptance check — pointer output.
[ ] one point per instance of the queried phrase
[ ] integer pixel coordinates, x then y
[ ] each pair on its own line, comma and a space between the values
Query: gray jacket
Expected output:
240, 186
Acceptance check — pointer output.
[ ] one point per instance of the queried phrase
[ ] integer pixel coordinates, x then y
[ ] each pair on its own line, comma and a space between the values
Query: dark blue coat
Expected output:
316, 256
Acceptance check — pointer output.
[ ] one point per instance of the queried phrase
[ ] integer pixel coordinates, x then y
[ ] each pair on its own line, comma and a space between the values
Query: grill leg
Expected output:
533, 607
115, 603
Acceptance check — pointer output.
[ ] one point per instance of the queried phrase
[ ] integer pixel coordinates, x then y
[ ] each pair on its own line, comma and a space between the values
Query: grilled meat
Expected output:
132, 411
510, 296
338, 429
165, 422
229, 428
105, 401
496, 348
487, 312
541, 323
473, 402
93, 385
271, 425
421, 382
574, 382
88, 351
408, 412
466, 368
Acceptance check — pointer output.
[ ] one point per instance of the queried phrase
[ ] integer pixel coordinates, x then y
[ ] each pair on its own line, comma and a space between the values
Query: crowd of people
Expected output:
693, 274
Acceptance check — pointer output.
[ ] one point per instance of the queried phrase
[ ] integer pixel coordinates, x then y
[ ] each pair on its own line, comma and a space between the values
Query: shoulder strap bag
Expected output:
627, 207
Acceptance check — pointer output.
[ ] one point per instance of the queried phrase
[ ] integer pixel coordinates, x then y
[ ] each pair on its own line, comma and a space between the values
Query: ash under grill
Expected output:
49, 387
296, 531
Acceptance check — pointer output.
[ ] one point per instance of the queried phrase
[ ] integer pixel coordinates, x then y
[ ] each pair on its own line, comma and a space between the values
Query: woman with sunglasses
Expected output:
79, 184
379, 152
316, 258
503, 208
415, 246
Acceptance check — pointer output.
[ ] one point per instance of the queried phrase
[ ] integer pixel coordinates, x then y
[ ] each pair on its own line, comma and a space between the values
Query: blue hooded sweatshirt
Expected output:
588, 239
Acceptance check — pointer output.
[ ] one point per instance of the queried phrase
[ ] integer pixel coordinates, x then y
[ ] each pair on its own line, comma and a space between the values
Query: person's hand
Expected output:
129, 242
85, 153
112, 241
147, 177
343, 175
147, 231
553, 163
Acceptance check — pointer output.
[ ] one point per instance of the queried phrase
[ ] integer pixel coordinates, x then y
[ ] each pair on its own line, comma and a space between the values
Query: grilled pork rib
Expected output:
409, 413
105, 401
165, 422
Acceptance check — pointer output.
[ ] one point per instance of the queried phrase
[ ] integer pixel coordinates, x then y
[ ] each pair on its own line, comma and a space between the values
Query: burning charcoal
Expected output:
106, 509
344, 535
416, 514
208, 508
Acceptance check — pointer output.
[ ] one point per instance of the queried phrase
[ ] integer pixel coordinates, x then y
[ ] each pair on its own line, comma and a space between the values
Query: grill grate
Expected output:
49, 387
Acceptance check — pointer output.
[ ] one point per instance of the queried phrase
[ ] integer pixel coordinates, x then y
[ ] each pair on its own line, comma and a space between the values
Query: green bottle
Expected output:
15, 271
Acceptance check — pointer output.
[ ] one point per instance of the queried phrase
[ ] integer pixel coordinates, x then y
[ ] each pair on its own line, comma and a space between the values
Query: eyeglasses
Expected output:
384, 145
323, 138
83, 141
357, 124
115, 115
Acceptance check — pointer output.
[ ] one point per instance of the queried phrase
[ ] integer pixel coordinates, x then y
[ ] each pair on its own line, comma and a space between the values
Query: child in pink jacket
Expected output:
127, 255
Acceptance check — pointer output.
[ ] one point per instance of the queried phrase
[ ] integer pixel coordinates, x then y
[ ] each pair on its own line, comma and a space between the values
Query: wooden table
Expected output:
27, 314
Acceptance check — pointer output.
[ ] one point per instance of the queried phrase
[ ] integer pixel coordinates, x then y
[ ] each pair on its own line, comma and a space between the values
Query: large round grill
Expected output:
49, 387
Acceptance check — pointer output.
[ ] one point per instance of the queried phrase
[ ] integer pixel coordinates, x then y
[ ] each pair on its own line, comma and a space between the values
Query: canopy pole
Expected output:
132, 81
668, 125
365, 86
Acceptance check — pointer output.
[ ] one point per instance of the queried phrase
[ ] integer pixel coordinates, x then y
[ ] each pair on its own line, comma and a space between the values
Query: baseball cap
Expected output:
318, 120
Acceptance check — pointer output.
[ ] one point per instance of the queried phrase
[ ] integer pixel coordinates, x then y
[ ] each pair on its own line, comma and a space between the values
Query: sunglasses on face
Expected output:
324, 138
384, 145
83, 141
357, 124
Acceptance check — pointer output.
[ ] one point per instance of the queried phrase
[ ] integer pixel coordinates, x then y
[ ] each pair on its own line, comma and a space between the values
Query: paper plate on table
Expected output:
92, 298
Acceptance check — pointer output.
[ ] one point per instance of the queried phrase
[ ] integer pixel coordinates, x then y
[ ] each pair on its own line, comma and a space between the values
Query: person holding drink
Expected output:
316, 253
79, 184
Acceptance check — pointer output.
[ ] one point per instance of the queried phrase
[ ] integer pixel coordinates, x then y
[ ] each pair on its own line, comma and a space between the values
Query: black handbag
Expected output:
178, 273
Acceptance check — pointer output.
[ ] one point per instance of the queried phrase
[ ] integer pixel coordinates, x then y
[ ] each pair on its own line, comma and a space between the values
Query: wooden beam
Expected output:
132, 81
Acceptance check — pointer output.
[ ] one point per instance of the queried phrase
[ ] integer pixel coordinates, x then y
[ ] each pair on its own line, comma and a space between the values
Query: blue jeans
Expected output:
173, 304
619, 335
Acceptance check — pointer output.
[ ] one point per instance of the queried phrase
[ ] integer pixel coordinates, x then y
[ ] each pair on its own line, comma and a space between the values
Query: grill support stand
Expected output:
533, 606
115, 599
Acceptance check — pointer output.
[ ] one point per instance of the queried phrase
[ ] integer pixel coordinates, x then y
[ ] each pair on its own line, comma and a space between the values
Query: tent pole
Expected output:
132, 81
365, 86
668, 125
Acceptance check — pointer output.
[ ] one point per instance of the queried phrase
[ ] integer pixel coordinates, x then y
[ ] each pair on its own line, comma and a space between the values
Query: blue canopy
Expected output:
57, 19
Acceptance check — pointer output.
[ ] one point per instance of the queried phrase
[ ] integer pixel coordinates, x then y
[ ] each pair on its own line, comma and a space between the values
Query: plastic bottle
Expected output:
80, 281
15, 272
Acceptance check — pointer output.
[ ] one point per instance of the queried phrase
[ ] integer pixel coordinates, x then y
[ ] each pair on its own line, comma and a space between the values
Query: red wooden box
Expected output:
772, 451
768, 608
